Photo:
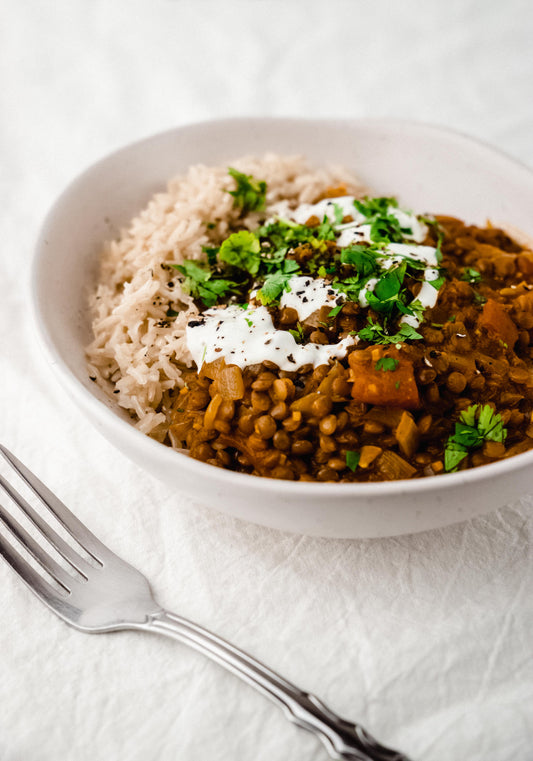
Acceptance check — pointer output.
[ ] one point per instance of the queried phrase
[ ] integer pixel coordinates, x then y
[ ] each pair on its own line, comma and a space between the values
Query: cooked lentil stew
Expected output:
405, 342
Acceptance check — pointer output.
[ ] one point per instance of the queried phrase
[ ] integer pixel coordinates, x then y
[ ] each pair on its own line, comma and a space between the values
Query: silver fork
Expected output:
109, 595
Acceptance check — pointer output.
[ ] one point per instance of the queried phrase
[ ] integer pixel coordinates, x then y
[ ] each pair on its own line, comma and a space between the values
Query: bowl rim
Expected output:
82, 394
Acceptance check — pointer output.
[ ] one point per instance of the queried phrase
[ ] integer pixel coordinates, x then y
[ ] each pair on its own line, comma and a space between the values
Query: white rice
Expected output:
136, 349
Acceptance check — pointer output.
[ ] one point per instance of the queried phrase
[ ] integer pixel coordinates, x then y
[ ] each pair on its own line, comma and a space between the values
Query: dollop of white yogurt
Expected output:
308, 294
248, 336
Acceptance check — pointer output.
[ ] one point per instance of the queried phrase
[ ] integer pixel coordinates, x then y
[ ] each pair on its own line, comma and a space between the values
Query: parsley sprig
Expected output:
476, 425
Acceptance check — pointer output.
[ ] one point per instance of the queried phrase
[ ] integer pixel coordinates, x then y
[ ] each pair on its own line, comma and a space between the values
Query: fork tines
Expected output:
62, 514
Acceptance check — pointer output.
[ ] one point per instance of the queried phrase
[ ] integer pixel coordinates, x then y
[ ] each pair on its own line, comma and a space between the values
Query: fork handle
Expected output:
343, 739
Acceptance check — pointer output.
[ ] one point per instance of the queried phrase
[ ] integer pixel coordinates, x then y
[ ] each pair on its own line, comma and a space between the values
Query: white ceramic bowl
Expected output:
428, 168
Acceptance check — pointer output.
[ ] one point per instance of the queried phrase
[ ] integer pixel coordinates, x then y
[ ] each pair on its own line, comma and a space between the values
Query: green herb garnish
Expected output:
476, 425
242, 250
470, 275
339, 214
386, 294
277, 282
211, 252
203, 284
352, 459
376, 334
384, 226
335, 311
387, 364
298, 334
250, 193
438, 283
363, 258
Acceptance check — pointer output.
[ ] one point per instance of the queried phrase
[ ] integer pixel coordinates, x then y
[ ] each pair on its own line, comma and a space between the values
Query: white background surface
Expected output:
426, 639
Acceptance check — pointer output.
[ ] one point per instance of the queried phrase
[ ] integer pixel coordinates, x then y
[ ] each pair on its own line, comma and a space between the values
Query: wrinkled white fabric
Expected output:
426, 640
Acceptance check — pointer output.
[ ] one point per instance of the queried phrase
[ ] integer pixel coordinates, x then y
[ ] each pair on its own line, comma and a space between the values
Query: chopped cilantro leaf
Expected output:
387, 364
339, 214
298, 334
250, 193
277, 282
351, 286
387, 289
376, 334
202, 284
470, 275
476, 425
242, 250
352, 459
171, 312
282, 234
386, 230
335, 311
325, 230
363, 258
273, 287
408, 332
438, 283
384, 226
415, 308
454, 454
490, 425
211, 252
369, 207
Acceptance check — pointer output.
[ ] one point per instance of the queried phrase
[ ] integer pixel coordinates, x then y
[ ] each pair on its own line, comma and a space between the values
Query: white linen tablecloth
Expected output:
426, 640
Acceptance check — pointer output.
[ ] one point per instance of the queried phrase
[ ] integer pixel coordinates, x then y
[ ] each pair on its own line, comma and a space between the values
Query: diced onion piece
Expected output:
407, 435
211, 411
368, 455
393, 467
229, 383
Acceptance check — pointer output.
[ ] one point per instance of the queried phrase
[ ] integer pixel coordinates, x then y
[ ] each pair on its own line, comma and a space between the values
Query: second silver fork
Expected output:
107, 594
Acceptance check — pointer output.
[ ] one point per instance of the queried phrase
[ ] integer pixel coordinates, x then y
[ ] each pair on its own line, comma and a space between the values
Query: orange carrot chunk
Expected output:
372, 383
495, 320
